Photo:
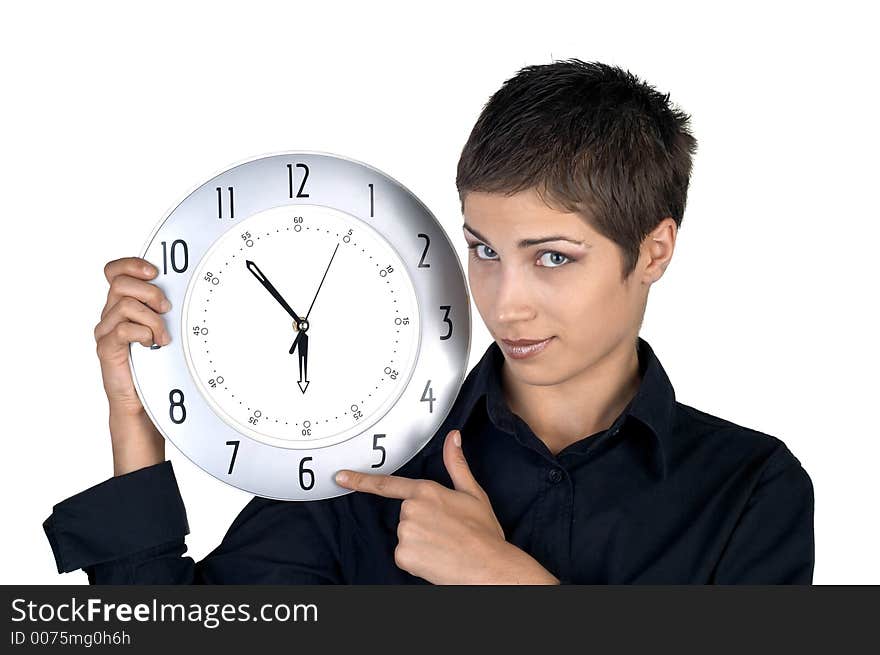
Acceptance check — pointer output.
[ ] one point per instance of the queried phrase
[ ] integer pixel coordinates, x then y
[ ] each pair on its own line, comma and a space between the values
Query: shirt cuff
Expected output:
116, 518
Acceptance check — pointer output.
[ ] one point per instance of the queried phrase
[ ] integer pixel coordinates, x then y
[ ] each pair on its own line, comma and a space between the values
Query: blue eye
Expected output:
473, 249
555, 264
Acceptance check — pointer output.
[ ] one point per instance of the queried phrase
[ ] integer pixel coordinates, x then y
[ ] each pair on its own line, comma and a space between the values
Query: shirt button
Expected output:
555, 475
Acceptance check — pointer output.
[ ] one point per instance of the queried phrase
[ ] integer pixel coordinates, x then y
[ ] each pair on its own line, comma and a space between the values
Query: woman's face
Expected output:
568, 290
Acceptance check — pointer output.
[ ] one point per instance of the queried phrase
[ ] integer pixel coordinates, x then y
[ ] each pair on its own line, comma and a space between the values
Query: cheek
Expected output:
471, 276
481, 286
477, 284
595, 311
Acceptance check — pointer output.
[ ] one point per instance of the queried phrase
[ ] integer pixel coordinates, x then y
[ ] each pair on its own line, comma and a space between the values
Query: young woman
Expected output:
566, 457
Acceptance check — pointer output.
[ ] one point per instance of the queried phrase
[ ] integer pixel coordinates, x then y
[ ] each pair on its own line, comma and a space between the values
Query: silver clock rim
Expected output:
465, 323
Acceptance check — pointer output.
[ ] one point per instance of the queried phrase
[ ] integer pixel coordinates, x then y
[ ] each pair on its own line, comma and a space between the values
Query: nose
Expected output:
513, 300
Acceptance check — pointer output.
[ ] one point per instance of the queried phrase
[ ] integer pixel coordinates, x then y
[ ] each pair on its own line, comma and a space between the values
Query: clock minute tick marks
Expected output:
393, 299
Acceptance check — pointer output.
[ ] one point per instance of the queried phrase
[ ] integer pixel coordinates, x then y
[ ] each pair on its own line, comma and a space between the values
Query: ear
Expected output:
658, 247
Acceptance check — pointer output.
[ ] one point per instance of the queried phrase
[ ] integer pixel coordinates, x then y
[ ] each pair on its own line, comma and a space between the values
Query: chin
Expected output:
543, 377
537, 371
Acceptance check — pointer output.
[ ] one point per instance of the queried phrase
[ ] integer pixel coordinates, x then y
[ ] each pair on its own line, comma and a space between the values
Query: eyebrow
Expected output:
525, 243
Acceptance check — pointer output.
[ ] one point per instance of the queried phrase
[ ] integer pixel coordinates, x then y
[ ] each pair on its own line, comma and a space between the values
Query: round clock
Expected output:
320, 320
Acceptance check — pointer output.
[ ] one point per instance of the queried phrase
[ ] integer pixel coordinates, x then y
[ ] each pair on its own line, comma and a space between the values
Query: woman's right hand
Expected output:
132, 314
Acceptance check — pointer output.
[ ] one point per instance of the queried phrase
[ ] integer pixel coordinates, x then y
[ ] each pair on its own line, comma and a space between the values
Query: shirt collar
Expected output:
652, 406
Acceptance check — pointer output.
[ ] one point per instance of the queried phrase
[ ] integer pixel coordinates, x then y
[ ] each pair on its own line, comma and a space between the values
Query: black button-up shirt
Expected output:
666, 495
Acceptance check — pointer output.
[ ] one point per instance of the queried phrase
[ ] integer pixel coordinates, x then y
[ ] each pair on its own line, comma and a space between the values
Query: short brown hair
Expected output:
590, 138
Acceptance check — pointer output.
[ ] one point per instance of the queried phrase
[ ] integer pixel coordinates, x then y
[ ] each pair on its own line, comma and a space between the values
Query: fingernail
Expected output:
456, 437
166, 305
341, 477
150, 270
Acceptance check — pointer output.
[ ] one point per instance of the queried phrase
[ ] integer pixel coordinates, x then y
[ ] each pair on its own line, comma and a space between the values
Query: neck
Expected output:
583, 405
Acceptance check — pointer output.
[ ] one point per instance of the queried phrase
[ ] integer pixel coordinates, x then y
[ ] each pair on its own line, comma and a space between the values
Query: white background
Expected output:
765, 317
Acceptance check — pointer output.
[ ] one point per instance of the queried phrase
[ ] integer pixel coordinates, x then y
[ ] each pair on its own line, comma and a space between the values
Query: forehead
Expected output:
523, 214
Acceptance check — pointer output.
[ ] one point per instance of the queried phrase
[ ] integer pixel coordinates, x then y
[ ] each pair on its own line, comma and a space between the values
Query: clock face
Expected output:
320, 320
292, 387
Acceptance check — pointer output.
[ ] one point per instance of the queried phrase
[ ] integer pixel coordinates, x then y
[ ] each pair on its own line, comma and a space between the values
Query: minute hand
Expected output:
322, 281
253, 268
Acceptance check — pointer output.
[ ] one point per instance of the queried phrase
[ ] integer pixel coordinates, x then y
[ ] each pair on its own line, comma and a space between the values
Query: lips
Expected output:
523, 342
524, 348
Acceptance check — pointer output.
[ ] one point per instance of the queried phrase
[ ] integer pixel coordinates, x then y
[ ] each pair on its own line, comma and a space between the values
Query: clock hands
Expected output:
253, 268
302, 338
301, 325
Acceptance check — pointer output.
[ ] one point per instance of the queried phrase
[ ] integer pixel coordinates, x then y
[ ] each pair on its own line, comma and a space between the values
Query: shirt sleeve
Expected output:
773, 541
130, 529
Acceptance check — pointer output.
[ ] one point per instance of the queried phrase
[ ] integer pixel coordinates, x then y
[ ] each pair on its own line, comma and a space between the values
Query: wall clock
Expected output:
320, 320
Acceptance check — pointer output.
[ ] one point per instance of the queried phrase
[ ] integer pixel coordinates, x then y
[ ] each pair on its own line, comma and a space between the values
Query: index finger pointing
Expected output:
389, 486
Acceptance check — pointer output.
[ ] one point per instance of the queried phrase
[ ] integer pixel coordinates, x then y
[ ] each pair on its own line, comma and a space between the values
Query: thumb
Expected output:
457, 466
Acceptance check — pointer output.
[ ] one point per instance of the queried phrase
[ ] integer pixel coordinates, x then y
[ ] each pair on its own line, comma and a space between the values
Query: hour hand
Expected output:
302, 341
253, 268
